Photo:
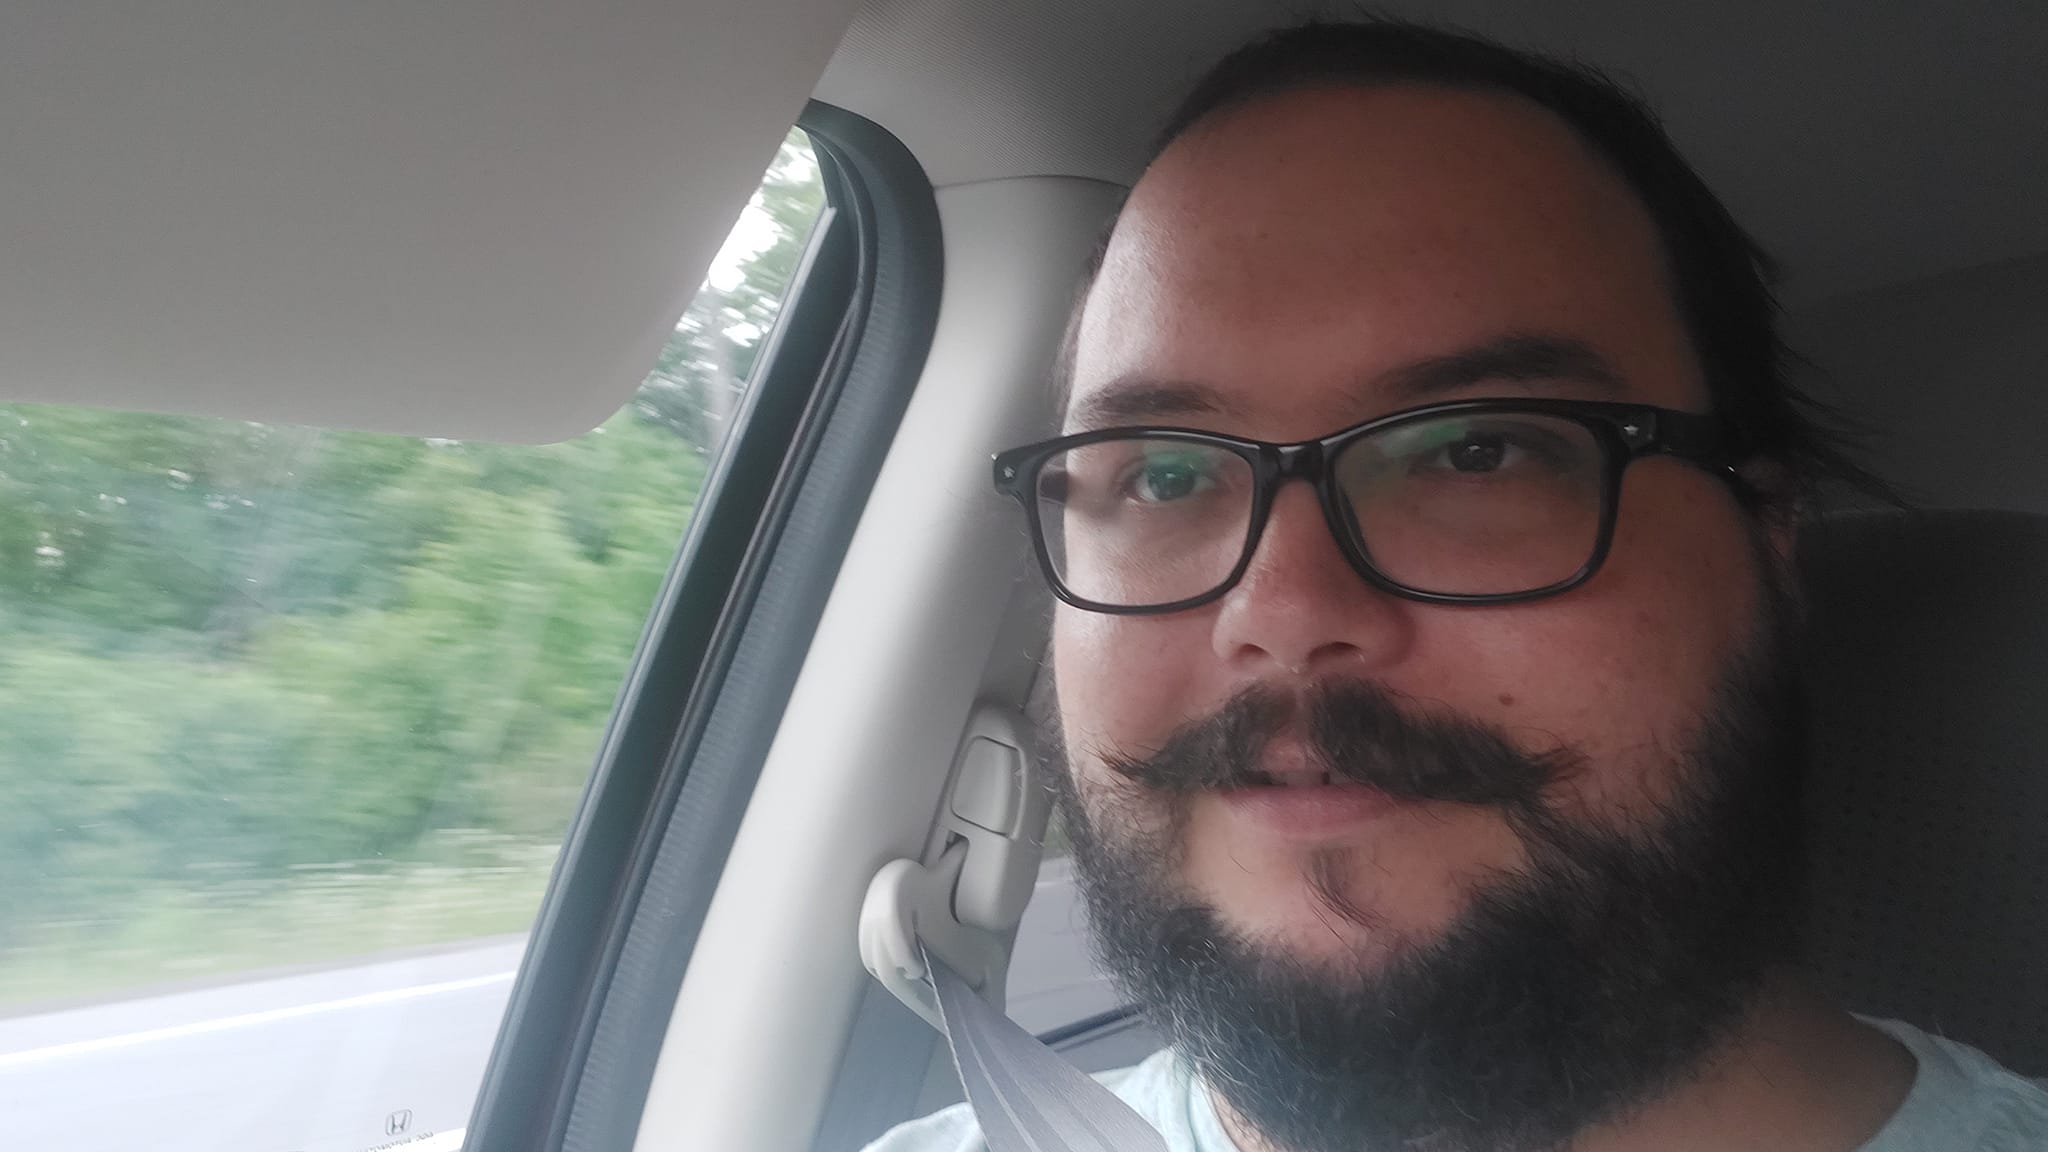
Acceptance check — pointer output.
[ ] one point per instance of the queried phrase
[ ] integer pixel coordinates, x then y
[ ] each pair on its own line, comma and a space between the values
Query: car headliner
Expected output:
1865, 145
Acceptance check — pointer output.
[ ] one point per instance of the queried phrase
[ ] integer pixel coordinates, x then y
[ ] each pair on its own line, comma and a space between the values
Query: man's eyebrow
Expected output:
1523, 357
1140, 400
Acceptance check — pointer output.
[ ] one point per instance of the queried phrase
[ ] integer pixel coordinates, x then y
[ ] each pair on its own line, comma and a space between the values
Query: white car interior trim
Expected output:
463, 219
907, 644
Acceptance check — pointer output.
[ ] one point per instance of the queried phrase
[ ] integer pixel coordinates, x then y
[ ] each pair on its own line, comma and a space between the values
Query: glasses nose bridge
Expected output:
1297, 462
1307, 462
1284, 462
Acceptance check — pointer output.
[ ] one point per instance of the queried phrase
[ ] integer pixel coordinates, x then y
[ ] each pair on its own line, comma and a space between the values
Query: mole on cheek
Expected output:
1507, 699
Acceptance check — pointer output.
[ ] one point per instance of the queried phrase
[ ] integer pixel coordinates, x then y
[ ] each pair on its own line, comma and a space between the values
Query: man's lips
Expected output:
1301, 807
1293, 795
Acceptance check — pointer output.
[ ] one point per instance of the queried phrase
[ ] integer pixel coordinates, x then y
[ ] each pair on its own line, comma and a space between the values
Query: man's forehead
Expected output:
1366, 238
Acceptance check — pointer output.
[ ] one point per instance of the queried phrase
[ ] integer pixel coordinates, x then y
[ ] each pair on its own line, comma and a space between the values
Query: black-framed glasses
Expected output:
1467, 502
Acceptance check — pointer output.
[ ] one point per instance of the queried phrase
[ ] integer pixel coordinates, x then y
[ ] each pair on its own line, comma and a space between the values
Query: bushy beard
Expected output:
1563, 996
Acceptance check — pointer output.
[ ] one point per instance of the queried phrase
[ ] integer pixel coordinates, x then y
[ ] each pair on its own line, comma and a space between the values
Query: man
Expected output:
1446, 799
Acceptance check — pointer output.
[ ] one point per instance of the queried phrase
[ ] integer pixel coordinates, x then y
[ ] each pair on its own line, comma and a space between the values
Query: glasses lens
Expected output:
1476, 505
1142, 522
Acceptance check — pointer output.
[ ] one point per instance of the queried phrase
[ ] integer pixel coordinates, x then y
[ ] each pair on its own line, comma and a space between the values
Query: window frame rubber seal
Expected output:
589, 1009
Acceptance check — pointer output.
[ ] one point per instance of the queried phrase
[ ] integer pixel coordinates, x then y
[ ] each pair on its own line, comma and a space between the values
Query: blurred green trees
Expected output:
232, 652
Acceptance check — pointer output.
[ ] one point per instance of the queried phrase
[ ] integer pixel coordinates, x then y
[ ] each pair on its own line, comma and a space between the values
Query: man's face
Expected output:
1272, 276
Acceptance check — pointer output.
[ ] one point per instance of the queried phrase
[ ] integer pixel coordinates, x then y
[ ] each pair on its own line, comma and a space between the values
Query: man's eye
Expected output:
1484, 451
1165, 479
1480, 453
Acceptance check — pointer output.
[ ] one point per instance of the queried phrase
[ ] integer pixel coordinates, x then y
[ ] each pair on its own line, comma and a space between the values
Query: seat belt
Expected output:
1025, 1096
937, 935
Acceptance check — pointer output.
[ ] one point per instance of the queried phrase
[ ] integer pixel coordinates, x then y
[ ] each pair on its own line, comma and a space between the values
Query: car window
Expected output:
295, 721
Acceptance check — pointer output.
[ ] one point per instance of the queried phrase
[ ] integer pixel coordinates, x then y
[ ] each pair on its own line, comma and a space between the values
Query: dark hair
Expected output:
1721, 278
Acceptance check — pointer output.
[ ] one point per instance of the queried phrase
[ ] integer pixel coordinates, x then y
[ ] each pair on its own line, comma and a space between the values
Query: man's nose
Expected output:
1301, 608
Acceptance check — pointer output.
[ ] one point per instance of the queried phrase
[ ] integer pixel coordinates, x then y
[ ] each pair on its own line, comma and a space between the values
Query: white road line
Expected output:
246, 1020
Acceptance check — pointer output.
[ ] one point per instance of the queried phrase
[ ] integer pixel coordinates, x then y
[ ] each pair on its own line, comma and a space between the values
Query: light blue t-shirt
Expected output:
1961, 1101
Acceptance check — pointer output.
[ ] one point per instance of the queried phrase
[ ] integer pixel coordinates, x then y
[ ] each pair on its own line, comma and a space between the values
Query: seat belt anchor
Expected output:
909, 905
964, 904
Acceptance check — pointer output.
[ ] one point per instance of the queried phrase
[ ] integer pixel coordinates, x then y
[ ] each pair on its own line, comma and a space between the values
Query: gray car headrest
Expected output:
1928, 802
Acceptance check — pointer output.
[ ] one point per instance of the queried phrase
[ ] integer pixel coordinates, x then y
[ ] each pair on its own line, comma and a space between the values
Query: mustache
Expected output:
1359, 734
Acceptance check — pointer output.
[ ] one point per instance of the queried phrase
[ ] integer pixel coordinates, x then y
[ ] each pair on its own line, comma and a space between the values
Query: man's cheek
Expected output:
1122, 683
1584, 672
